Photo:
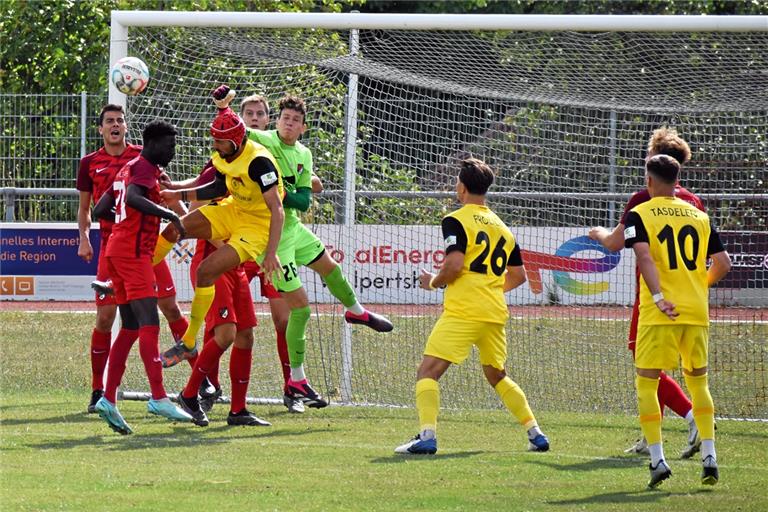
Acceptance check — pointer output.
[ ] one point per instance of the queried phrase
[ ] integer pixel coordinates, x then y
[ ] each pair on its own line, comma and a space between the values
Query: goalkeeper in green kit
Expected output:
298, 245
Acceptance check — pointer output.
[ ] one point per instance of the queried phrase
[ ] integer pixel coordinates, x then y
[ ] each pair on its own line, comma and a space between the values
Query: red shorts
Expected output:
232, 302
102, 274
132, 278
252, 270
633, 325
162, 271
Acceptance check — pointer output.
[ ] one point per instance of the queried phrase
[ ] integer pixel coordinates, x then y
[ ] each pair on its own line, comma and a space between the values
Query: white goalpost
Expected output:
561, 106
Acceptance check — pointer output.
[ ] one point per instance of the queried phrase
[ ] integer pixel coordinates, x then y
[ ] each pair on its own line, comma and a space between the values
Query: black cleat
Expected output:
709, 473
192, 407
95, 396
376, 322
247, 419
304, 392
207, 398
103, 287
293, 403
658, 474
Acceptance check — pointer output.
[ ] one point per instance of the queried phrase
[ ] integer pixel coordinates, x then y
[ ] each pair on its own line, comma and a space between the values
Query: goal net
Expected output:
562, 116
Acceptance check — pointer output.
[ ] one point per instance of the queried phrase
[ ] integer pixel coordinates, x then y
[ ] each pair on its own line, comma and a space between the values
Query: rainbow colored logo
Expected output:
562, 263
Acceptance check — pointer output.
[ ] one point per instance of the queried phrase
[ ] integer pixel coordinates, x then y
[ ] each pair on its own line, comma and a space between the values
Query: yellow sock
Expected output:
515, 401
427, 403
703, 406
648, 407
201, 303
162, 248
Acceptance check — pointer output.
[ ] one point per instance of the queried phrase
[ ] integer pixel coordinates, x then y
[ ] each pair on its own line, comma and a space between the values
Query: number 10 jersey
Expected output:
680, 239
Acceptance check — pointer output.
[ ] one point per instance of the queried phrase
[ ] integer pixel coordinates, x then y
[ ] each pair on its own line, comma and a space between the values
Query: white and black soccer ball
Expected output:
130, 75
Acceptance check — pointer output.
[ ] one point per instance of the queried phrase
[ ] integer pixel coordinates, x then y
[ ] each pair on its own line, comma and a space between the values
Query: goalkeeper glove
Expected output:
223, 96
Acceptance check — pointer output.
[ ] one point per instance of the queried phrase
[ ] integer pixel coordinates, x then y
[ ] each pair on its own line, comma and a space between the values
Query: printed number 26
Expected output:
498, 256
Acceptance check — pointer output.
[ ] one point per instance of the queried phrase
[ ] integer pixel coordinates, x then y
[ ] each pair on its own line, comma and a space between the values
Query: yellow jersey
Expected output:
680, 238
489, 247
248, 176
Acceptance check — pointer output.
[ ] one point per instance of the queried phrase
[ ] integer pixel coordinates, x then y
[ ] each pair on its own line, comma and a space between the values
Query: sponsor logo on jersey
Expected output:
450, 240
630, 233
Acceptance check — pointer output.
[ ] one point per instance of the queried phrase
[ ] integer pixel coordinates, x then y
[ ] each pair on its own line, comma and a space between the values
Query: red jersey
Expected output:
636, 199
134, 233
97, 172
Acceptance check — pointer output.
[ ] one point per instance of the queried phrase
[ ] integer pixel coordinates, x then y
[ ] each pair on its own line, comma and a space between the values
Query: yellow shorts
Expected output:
452, 339
662, 346
245, 233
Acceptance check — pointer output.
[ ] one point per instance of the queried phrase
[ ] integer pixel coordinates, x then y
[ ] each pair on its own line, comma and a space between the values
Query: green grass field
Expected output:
53, 456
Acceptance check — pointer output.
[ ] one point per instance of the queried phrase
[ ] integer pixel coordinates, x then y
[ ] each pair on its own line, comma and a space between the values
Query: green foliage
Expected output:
62, 46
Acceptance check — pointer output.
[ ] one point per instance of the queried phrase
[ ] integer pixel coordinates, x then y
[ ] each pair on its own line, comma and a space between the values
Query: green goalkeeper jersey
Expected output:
294, 163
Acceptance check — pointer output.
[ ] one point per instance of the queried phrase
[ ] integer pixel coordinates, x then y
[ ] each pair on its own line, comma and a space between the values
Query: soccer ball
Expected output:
130, 75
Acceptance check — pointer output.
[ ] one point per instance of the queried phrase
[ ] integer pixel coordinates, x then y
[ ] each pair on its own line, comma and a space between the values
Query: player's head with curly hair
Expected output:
476, 176
666, 141
159, 137
291, 119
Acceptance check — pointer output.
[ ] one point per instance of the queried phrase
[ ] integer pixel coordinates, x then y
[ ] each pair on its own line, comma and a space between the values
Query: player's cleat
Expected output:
640, 447
208, 397
103, 287
418, 446
540, 443
247, 419
95, 397
304, 392
658, 474
192, 407
293, 404
694, 442
176, 354
376, 322
109, 413
165, 408
709, 473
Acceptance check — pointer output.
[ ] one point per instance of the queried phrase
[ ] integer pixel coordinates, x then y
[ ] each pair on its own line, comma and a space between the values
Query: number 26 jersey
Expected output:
489, 247
680, 239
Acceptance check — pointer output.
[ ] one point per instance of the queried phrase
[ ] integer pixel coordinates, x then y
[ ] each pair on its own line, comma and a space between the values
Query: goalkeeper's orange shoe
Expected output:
176, 354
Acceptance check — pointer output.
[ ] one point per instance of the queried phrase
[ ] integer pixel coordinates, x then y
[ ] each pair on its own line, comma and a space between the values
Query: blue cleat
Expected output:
540, 443
109, 413
417, 446
166, 409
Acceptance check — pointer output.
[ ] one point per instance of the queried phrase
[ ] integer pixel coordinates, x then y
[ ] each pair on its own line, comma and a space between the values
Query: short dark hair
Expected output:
156, 129
476, 175
664, 168
292, 102
110, 107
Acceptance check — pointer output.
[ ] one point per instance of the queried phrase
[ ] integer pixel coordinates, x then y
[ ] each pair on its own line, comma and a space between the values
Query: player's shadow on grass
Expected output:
632, 497
599, 463
401, 459
75, 417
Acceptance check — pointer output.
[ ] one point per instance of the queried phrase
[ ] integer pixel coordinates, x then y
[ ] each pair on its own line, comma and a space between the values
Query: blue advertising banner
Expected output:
39, 262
